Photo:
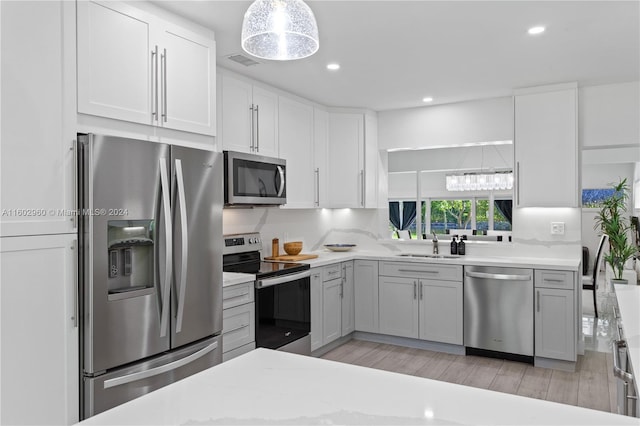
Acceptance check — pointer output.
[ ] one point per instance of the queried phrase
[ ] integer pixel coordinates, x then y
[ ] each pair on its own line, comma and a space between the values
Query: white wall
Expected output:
447, 125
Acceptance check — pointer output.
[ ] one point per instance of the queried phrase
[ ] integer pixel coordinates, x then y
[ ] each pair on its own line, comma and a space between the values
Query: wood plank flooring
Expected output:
591, 386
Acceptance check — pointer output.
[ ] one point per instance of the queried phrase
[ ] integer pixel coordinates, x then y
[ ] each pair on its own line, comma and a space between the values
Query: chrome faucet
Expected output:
435, 243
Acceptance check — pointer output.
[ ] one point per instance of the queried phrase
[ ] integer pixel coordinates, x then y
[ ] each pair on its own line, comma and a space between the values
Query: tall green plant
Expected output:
611, 220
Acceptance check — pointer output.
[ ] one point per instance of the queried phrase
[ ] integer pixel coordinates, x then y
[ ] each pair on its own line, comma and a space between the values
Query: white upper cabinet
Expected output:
37, 168
295, 131
320, 145
546, 147
136, 67
248, 117
352, 158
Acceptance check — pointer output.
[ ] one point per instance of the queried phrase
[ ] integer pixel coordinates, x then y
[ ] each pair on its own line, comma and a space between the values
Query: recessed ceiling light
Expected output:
427, 99
333, 66
536, 30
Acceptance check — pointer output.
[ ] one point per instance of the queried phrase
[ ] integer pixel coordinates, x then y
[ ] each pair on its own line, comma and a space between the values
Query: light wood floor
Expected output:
591, 386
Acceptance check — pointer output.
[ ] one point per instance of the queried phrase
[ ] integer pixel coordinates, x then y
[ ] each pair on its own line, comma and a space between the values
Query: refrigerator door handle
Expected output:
161, 369
182, 284
164, 184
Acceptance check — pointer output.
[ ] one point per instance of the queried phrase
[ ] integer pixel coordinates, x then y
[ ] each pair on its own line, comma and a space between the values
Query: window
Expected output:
450, 214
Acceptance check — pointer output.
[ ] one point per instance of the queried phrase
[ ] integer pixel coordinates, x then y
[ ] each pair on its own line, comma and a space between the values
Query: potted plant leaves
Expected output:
612, 220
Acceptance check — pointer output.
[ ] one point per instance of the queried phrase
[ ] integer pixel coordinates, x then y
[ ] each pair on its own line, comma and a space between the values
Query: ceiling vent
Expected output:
243, 60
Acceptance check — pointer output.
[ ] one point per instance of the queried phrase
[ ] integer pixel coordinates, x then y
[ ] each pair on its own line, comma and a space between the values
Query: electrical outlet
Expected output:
557, 228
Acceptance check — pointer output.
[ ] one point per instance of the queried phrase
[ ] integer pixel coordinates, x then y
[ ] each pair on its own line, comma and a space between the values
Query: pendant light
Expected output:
281, 30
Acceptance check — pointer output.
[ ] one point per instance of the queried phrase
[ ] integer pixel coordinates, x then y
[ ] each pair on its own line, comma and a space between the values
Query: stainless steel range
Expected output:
283, 305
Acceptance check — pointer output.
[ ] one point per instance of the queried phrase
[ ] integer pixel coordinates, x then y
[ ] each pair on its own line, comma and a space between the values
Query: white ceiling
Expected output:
394, 53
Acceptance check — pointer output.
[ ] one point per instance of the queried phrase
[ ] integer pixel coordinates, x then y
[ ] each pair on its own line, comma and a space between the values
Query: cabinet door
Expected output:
554, 324
37, 170
39, 330
188, 71
331, 310
546, 140
346, 138
114, 61
370, 161
265, 104
441, 311
366, 295
295, 132
316, 310
236, 114
238, 326
398, 301
348, 315
320, 142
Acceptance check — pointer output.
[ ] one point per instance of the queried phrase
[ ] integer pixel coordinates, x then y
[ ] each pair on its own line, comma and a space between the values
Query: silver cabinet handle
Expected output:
257, 129
552, 280
538, 301
182, 203
503, 277
154, 93
159, 370
616, 313
362, 188
415, 290
164, 85
251, 144
518, 183
317, 173
166, 205
282, 180
74, 317
421, 289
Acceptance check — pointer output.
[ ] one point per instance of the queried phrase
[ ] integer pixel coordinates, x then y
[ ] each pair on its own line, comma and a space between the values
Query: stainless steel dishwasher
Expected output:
498, 312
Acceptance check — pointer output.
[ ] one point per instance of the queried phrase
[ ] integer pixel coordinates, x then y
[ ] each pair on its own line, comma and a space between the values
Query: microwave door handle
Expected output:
182, 283
281, 189
164, 185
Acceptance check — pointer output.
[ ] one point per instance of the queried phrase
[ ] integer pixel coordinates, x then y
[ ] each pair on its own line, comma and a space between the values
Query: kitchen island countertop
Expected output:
268, 387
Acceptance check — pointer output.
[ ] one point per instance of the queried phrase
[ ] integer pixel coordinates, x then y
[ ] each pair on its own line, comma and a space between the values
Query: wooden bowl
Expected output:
292, 248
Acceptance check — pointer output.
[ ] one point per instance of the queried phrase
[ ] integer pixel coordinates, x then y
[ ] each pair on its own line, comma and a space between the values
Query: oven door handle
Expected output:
268, 282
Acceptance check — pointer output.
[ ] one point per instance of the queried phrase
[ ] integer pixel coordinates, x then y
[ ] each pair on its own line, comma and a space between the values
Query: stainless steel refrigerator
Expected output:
150, 266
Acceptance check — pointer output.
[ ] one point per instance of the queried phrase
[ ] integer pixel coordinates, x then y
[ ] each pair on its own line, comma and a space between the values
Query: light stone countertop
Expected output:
326, 257
266, 387
233, 278
628, 297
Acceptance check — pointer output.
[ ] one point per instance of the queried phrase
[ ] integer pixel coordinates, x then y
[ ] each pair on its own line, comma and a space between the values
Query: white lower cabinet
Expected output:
238, 320
366, 295
316, 309
39, 330
421, 301
555, 319
332, 303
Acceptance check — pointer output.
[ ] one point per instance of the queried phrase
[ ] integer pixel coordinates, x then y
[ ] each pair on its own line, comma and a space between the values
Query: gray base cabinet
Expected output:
332, 303
366, 295
555, 332
441, 310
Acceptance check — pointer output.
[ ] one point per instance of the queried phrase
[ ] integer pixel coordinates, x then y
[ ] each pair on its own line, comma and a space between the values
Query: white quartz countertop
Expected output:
326, 257
629, 303
268, 387
232, 278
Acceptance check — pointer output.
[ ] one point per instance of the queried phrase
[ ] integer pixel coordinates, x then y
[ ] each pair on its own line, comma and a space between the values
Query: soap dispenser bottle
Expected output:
454, 245
461, 245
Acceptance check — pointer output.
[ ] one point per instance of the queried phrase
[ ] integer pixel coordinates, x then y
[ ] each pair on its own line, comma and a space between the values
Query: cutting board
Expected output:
292, 258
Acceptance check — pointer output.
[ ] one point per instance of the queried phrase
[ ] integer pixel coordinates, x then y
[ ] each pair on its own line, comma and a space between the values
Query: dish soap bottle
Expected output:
454, 245
461, 246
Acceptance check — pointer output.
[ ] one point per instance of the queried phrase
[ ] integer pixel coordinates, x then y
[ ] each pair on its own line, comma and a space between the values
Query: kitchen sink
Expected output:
430, 256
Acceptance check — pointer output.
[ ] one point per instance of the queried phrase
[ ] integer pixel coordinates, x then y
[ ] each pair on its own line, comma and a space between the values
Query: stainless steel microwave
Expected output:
252, 179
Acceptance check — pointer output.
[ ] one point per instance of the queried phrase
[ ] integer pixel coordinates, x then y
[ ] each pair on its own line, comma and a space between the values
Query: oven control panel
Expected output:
240, 243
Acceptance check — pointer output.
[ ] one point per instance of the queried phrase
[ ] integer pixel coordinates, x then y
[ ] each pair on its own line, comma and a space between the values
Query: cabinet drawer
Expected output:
236, 295
238, 326
421, 270
554, 279
238, 351
331, 272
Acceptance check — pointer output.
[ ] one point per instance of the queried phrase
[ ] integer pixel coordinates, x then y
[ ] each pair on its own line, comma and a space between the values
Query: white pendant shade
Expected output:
280, 30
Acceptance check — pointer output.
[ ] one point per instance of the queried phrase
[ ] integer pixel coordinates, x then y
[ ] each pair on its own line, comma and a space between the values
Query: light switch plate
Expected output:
557, 228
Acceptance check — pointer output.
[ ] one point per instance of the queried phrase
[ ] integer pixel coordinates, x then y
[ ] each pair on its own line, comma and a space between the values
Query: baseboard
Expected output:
410, 343
555, 364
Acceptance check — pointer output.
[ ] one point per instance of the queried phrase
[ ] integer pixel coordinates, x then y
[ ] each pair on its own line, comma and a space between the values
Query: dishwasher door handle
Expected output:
503, 277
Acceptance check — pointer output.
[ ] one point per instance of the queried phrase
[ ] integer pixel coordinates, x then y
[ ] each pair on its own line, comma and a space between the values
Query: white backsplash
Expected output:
369, 230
